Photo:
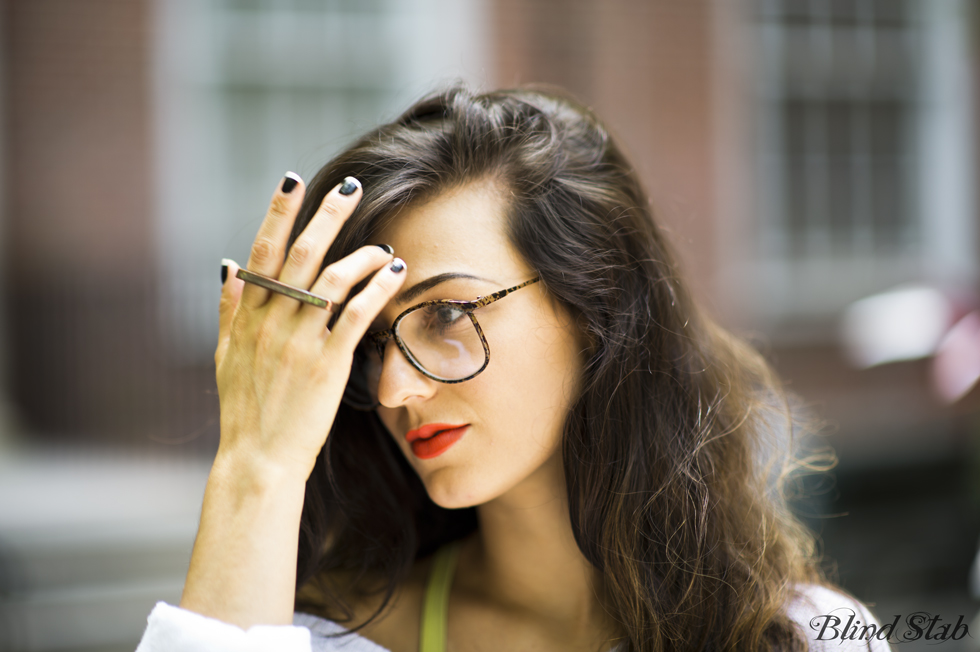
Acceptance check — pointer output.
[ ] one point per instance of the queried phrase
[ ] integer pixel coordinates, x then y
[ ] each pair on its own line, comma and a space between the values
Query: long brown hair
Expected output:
678, 448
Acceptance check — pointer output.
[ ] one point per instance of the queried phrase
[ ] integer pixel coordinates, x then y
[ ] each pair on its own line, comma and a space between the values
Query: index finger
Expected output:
269, 248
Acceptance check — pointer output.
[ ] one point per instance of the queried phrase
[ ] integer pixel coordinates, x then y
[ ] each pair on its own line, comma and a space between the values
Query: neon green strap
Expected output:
432, 635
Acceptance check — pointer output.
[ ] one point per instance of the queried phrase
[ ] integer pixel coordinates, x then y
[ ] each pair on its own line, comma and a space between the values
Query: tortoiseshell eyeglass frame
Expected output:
380, 338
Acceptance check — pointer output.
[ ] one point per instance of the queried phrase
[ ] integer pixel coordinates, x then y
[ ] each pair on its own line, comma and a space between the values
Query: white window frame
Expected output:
800, 298
203, 211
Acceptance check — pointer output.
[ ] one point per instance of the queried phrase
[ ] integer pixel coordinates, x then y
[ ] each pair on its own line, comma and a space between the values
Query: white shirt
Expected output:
171, 629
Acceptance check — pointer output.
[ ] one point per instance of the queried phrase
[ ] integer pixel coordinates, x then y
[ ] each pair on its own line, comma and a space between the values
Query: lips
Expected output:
433, 439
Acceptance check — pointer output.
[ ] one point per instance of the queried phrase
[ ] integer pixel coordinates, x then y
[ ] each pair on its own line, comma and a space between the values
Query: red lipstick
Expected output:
433, 439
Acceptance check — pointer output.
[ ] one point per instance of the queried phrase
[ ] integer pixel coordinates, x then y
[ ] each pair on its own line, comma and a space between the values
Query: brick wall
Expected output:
78, 227
646, 67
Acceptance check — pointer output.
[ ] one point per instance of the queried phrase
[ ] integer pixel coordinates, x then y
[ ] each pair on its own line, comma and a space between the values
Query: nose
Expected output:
400, 382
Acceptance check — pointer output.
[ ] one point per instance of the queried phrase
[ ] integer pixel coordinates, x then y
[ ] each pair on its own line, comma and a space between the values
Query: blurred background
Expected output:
814, 160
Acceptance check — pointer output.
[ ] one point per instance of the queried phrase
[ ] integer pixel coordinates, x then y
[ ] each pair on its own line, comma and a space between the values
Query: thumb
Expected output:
231, 294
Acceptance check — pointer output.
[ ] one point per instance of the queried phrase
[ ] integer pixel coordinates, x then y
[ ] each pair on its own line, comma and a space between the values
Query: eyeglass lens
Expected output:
442, 338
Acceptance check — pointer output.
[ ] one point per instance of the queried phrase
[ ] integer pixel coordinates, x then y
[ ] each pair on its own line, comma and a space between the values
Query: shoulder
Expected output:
833, 620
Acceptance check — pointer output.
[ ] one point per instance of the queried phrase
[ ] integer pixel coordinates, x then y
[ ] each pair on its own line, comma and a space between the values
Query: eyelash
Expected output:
435, 298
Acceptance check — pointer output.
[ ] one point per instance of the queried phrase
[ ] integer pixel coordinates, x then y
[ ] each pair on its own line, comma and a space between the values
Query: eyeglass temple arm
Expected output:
490, 298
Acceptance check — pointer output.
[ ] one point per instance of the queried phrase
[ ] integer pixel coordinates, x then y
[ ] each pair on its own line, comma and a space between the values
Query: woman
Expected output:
577, 460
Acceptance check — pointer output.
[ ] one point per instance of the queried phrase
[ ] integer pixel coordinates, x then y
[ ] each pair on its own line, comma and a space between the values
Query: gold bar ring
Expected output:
282, 288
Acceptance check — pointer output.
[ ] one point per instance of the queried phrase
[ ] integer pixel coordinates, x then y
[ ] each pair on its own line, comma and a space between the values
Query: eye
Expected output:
441, 318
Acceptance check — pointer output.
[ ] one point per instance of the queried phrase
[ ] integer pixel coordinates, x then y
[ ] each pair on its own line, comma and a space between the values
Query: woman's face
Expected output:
515, 409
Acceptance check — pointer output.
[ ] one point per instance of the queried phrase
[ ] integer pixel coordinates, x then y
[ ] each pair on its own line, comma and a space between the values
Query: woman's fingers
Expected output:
307, 252
364, 308
231, 292
337, 280
270, 243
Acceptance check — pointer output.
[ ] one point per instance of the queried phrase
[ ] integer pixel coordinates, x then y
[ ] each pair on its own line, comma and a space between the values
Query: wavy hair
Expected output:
676, 452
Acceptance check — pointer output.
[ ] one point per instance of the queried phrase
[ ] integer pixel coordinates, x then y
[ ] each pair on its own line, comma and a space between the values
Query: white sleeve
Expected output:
172, 629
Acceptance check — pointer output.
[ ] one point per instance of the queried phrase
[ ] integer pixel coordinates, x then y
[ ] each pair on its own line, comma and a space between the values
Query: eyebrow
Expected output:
422, 286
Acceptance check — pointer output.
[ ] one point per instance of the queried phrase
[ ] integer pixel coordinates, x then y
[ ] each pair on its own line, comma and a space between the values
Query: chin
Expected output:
449, 491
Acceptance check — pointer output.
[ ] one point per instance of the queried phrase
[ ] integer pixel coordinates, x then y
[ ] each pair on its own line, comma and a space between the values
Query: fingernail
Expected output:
289, 181
224, 269
387, 249
349, 186
397, 265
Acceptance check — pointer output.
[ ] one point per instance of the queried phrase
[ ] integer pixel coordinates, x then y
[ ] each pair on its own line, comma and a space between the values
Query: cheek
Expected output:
389, 418
536, 383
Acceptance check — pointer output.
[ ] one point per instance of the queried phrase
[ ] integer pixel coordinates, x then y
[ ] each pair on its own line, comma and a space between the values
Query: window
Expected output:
247, 89
864, 151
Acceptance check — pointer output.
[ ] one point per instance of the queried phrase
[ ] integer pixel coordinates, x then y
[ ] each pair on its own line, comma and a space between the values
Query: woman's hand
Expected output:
281, 375
280, 372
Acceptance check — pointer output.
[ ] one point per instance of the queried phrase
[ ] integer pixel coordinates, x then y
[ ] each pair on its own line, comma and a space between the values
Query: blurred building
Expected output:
803, 153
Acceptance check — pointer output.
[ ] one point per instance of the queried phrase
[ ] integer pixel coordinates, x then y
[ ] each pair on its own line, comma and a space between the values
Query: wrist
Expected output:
243, 567
241, 489
251, 473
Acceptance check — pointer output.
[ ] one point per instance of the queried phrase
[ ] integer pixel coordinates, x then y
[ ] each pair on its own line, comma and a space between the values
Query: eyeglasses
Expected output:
440, 338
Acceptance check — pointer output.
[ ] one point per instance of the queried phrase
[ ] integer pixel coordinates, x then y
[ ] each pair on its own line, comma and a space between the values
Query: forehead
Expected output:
460, 230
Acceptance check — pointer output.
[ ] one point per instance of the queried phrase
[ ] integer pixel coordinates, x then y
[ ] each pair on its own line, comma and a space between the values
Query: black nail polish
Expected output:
224, 273
387, 249
350, 185
289, 182
397, 265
